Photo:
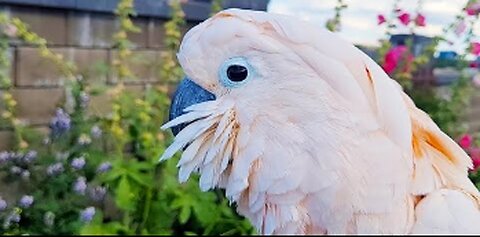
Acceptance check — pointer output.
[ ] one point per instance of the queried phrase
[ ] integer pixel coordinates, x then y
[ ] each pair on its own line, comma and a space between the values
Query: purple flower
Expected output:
87, 214
78, 163
97, 193
60, 123
3, 204
16, 156
26, 201
15, 170
49, 218
95, 131
30, 156
80, 185
84, 99
4, 157
14, 216
25, 175
104, 167
55, 169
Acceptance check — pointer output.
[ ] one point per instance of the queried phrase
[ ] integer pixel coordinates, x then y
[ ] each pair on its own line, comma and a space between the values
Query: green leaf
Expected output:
124, 197
184, 214
141, 166
142, 179
112, 175
206, 212
111, 228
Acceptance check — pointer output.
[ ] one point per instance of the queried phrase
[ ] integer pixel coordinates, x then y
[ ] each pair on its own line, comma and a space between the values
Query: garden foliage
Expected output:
100, 174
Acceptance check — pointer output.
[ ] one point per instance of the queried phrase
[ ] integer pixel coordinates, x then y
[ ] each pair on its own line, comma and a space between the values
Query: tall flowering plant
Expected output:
447, 112
402, 64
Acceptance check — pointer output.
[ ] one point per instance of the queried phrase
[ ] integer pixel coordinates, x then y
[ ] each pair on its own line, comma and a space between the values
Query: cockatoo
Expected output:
308, 135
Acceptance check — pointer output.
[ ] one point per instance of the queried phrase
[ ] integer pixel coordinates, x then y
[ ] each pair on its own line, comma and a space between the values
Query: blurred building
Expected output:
423, 76
419, 42
447, 55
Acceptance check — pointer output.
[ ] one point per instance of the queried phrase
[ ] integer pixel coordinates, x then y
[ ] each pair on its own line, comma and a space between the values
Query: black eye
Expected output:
237, 73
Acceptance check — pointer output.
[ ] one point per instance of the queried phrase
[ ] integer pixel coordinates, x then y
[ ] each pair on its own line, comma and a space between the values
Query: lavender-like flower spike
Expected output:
104, 167
49, 218
95, 131
55, 169
26, 201
78, 163
84, 99
3, 204
87, 214
4, 157
80, 185
15, 170
60, 123
97, 193
25, 175
30, 156
16, 156
14, 216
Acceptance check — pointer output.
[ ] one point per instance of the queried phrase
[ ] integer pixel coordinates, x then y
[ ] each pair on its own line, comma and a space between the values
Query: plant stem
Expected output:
146, 209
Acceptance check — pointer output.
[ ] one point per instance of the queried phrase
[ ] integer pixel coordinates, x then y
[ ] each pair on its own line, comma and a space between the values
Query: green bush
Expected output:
100, 174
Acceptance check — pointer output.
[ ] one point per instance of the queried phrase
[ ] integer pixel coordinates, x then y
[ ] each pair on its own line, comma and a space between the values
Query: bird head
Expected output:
258, 83
299, 126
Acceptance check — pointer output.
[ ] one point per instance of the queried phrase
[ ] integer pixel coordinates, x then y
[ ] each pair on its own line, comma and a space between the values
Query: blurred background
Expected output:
86, 84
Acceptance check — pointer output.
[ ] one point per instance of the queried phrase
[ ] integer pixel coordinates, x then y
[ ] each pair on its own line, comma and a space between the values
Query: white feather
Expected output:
324, 141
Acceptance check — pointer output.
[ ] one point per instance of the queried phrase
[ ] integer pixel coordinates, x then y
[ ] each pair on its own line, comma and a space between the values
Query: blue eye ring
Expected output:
235, 72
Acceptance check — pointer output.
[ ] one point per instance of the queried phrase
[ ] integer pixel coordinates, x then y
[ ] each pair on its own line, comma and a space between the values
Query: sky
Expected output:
359, 20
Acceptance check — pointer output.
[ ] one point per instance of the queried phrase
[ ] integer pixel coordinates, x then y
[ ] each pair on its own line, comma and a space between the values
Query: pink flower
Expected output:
466, 141
460, 27
473, 8
420, 20
396, 55
404, 18
381, 19
475, 156
475, 48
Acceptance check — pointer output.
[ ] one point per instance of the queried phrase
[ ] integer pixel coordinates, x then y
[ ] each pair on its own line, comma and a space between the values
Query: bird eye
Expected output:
235, 71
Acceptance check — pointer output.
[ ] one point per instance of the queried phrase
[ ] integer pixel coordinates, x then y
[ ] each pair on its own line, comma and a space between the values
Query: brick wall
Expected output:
81, 31
86, 39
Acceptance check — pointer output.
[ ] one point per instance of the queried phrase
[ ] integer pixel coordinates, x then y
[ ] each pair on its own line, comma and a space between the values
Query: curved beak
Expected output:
187, 93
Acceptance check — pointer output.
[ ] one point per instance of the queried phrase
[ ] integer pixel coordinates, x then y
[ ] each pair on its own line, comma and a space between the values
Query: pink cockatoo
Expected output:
308, 135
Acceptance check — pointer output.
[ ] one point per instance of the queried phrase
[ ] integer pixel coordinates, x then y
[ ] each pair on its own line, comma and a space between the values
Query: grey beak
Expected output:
187, 93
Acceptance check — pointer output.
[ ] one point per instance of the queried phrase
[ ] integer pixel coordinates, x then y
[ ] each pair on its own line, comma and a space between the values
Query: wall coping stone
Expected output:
195, 10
